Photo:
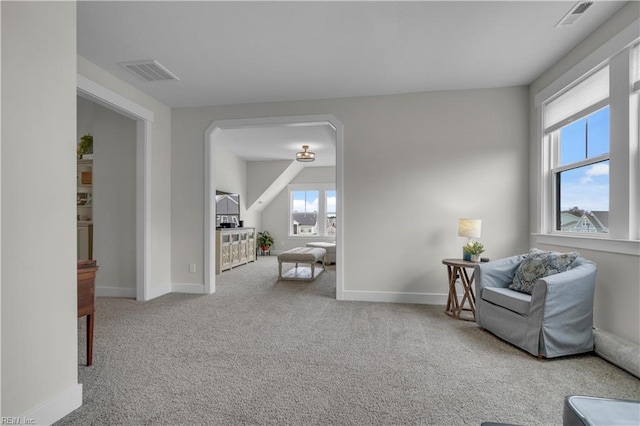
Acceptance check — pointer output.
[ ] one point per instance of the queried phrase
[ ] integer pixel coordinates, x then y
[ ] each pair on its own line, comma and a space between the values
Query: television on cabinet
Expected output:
227, 210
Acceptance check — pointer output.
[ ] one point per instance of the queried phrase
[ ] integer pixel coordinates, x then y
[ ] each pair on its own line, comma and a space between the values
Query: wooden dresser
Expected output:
87, 299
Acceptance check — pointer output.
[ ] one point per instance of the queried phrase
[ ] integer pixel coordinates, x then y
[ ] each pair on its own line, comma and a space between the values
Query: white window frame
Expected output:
624, 156
553, 140
322, 189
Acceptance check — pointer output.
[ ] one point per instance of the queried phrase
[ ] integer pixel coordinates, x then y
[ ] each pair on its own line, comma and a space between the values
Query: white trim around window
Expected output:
624, 216
322, 210
636, 68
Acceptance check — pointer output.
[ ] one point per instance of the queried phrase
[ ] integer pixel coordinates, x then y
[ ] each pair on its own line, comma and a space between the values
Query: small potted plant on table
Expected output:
472, 250
265, 241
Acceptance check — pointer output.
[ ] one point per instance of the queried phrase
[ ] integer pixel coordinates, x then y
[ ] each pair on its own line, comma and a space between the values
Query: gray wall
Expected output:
114, 196
260, 176
617, 298
440, 155
39, 324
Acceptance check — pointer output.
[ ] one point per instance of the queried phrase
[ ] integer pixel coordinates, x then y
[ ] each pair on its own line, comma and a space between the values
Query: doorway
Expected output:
106, 197
211, 140
94, 92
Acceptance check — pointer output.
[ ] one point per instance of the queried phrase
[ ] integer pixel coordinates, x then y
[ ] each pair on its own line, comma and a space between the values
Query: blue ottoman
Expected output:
587, 410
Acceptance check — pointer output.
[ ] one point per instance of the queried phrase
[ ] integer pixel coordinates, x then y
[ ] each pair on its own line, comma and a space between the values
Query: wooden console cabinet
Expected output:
87, 299
234, 247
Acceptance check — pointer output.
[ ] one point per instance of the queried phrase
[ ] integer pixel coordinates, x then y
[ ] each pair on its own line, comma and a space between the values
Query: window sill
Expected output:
631, 247
310, 237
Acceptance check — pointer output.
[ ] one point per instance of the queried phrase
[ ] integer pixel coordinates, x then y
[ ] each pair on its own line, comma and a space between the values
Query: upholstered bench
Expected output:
330, 257
297, 255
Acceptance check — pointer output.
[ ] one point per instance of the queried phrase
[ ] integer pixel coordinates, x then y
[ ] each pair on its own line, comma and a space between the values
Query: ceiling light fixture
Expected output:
304, 155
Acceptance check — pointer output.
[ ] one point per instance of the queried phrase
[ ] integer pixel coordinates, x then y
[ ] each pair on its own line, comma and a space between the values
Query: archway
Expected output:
210, 135
143, 117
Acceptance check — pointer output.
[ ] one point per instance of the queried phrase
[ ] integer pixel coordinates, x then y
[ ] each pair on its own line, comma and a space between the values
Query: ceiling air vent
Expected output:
149, 70
576, 12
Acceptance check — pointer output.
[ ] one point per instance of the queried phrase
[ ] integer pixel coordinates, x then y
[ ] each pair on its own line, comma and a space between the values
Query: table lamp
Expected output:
469, 228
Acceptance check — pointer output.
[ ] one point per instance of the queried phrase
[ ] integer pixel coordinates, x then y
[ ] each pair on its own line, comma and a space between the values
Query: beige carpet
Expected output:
260, 351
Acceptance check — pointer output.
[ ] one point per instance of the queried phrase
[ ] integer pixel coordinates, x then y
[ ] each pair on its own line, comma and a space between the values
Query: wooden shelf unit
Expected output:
84, 208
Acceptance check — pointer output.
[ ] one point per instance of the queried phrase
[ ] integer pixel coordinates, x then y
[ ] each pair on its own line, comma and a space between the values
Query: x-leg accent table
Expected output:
457, 269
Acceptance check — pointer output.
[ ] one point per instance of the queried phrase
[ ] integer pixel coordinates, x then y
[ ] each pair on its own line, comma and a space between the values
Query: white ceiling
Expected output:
281, 143
247, 52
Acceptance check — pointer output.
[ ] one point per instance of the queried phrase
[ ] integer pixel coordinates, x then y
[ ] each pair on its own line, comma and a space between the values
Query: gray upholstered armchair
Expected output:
555, 320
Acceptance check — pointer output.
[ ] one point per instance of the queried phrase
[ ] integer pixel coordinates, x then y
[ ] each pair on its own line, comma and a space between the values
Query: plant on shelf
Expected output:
474, 249
265, 240
85, 146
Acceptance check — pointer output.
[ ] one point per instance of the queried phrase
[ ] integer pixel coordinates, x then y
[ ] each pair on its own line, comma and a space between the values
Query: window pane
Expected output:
583, 204
598, 133
573, 142
585, 138
305, 201
305, 212
331, 213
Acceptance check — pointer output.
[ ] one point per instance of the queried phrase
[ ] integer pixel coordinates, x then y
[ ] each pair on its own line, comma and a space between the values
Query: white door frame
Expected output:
210, 135
143, 117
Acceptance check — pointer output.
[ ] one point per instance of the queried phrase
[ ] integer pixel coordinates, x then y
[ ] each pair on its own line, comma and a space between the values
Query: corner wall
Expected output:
231, 176
39, 326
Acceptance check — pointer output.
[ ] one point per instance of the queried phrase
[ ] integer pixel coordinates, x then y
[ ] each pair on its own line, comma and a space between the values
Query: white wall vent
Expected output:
149, 70
574, 14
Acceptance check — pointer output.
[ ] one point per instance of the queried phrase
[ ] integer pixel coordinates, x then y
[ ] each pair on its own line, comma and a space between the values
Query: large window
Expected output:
312, 210
590, 175
581, 174
577, 133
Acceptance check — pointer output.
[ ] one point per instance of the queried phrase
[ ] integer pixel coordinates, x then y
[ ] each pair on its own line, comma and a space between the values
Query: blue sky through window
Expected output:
331, 202
598, 133
313, 212
305, 201
585, 187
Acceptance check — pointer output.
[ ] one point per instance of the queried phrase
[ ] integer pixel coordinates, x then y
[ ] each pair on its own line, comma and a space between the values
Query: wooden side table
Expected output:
87, 299
457, 268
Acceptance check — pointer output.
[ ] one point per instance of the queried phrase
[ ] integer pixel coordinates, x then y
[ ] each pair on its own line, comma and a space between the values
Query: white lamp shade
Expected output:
469, 228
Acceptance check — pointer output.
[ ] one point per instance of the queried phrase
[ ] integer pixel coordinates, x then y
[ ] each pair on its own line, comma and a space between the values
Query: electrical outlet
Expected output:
192, 267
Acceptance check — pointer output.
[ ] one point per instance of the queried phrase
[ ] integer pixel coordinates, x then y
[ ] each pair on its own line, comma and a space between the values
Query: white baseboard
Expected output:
395, 297
187, 288
158, 291
116, 292
55, 408
175, 288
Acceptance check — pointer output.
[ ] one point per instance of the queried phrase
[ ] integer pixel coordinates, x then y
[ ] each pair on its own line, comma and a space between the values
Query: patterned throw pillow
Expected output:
539, 264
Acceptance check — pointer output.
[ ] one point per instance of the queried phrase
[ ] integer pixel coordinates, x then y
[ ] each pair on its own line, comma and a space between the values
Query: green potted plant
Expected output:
265, 240
473, 249
85, 146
